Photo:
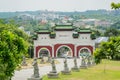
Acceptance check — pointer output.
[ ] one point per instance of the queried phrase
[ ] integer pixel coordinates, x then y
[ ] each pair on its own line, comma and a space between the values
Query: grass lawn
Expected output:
107, 70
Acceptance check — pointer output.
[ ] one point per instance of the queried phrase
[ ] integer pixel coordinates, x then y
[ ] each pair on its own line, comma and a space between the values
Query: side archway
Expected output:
46, 48
84, 49
43, 52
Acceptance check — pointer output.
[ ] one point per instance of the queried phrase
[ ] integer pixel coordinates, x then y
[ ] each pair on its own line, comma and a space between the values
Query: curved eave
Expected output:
84, 32
64, 29
43, 32
34, 38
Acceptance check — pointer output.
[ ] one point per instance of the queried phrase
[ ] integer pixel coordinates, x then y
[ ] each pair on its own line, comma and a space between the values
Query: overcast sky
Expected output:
54, 5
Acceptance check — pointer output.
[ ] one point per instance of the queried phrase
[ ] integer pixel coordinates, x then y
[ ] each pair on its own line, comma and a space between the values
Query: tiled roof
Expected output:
43, 30
84, 30
63, 27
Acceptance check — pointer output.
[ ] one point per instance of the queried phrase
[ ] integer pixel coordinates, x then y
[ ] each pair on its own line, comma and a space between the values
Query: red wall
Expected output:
56, 46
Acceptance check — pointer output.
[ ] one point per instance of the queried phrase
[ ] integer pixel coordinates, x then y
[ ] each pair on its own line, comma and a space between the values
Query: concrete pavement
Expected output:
26, 73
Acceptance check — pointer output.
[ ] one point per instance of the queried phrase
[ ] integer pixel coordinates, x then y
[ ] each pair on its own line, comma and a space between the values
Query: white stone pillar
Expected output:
75, 50
52, 50
35, 51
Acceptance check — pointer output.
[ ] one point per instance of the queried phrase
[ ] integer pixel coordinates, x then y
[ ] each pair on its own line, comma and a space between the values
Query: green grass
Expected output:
107, 70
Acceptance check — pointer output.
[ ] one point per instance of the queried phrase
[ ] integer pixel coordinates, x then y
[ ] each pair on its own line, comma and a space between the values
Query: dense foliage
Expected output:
116, 25
115, 5
109, 50
13, 44
111, 32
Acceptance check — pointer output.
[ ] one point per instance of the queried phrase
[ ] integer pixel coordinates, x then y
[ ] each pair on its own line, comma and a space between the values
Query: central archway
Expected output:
64, 51
43, 52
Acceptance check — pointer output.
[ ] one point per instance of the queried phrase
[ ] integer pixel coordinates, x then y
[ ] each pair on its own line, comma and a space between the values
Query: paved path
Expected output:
26, 73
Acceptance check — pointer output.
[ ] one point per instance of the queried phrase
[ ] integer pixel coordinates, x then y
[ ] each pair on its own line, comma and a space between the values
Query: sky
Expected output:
54, 5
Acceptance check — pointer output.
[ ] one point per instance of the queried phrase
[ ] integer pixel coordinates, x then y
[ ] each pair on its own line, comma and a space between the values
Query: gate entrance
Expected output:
64, 51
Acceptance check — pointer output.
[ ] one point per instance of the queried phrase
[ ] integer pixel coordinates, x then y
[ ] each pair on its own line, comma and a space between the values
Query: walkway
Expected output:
26, 73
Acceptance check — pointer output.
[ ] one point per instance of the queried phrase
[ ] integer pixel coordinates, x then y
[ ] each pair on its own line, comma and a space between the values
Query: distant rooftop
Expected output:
101, 39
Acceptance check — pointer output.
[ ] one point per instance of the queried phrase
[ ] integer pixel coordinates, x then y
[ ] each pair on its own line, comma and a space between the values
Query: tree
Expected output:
115, 5
116, 25
111, 32
12, 47
97, 33
110, 49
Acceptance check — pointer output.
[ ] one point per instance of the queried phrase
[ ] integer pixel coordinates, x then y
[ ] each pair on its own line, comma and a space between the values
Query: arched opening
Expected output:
84, 52
64, 51
43, 52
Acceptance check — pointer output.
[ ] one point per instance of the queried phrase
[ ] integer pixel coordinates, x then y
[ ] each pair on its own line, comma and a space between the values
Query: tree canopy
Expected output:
110, 49
111, 32
115, 5
13, 44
